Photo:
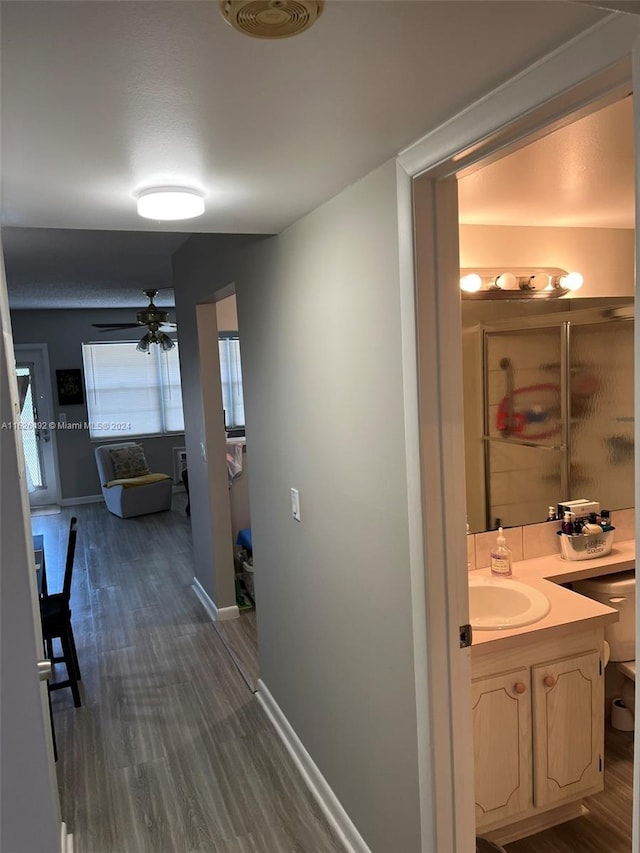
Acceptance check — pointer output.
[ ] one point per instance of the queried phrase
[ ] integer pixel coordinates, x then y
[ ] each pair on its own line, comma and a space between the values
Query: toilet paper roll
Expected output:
621, 716
606, 653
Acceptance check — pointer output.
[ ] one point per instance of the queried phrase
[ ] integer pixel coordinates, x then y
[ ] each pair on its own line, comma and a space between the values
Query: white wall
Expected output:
323, 396
227, 314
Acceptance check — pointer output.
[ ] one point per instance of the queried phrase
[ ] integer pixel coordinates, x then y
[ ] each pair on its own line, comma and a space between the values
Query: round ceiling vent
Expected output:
271, 19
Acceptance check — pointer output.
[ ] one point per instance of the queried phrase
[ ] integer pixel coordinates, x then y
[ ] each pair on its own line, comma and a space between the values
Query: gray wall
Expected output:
64, 332
319, 321
28, 790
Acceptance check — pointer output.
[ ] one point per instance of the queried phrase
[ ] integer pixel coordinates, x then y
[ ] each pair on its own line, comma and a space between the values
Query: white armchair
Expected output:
128, 487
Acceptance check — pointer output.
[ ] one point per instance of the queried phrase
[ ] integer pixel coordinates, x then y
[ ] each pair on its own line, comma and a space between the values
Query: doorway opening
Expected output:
227, 407
438, 204
554, 380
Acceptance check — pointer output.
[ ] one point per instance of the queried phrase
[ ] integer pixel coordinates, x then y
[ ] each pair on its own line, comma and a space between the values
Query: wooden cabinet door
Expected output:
502, 745
568, 728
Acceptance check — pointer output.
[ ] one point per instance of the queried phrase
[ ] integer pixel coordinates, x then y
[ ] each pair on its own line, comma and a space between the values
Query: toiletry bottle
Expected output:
605, 520
567, 524
501, 557
551, 515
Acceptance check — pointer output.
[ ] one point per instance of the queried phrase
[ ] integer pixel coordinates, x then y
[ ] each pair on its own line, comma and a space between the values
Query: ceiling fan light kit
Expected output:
164, 341
143, 343
170, 203
271, 19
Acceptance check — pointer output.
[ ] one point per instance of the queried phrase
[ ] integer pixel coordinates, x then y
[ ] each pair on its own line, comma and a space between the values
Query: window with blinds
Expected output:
129, 393
231, 378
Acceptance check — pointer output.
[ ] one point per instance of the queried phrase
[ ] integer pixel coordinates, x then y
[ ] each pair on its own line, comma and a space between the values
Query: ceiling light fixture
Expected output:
170, 203
529, 283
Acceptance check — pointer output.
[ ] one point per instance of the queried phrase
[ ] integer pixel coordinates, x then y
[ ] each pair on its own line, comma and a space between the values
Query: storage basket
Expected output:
586, 546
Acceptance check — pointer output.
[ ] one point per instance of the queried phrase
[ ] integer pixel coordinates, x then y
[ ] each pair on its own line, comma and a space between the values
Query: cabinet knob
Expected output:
519, 687
549, 681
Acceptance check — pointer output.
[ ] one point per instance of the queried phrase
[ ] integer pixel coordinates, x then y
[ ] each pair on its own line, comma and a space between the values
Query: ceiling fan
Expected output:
153, 318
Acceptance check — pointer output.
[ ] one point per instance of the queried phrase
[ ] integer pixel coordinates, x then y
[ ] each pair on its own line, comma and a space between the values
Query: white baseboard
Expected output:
217, 614
66, 839
315, 781
85, 499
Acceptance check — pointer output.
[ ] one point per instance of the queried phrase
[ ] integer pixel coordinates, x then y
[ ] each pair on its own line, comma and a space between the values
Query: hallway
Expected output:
170, 751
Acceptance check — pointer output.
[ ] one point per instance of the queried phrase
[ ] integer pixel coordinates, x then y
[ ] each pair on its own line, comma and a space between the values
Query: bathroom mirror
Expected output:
548, 385
548, 396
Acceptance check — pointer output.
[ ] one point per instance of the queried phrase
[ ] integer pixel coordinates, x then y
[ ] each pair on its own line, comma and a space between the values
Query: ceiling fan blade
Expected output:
113, 326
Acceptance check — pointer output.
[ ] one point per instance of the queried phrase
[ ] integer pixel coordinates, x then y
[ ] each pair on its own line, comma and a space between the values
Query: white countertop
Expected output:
568, 609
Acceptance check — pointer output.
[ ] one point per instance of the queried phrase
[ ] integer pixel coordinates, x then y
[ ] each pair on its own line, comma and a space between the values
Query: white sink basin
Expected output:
496, 603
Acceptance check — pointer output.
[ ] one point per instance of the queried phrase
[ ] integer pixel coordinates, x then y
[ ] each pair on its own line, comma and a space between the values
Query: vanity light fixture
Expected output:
170, 203
526, 283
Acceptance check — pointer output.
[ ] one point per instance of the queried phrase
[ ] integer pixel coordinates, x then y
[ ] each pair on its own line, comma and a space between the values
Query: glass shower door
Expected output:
601, 403
524, 429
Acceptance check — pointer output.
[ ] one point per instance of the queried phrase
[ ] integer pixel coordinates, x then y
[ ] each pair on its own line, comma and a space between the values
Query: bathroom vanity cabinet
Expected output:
538, 720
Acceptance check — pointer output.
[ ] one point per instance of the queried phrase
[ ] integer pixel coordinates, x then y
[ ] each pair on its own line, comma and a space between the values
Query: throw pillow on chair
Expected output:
129, 462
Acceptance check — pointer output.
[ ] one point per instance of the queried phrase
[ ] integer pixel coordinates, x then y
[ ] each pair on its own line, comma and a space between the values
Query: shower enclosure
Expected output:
557, 414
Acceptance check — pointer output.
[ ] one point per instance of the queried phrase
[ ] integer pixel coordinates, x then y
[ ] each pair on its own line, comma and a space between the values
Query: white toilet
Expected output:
618, 591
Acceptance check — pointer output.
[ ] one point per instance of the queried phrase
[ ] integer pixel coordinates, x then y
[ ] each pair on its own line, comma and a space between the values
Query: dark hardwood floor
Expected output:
240, 636
170, 751
607, 827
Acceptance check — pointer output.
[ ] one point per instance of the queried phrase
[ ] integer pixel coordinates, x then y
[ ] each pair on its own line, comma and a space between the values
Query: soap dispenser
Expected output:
501, 557
567, 524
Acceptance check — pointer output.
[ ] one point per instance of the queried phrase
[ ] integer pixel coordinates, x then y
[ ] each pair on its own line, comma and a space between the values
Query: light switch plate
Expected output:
295, 504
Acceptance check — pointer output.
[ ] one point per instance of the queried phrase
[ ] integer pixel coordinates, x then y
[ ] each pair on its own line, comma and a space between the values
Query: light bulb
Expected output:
506, 281
572, 281
471, 283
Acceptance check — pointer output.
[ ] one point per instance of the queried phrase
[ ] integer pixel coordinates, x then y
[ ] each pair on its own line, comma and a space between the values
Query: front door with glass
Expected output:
35, 425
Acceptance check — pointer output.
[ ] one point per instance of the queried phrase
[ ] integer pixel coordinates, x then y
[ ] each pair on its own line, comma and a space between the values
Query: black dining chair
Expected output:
55, 615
